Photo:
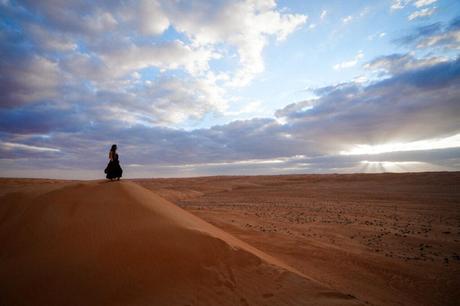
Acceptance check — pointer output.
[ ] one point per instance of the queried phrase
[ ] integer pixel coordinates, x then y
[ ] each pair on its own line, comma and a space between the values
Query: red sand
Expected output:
116, 243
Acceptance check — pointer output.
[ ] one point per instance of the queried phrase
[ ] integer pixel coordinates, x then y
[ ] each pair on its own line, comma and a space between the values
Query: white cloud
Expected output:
360, 79
170, 55
347, 19
167, 101
400, 4
104, 46
364, 12
426, 12
376, 35
244, 25
422, 3
323, 14
151, 19
349, 63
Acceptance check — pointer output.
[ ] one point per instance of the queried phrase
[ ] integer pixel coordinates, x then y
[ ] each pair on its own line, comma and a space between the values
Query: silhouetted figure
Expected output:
113, 169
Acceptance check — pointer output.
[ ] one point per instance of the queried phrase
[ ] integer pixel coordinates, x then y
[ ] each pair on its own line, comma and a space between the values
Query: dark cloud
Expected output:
43, 118
454, 24
295, 108
421, 32
416, 104
79, 17
434, 35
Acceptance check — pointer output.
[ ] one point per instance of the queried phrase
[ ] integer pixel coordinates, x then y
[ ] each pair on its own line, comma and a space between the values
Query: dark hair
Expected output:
114, 147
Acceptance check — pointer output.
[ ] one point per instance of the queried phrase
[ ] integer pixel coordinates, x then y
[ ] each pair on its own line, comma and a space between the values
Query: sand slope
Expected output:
116, 243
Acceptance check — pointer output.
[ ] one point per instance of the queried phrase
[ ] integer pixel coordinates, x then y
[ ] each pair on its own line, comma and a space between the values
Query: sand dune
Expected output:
116, 243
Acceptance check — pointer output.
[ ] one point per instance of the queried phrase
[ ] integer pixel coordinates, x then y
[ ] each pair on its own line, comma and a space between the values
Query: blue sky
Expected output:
229, 87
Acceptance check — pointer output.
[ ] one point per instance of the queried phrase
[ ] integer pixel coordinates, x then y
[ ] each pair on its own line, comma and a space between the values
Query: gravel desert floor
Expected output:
387, 239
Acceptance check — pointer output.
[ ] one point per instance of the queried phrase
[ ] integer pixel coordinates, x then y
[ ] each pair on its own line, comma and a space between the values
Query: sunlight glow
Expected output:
398, 166
279, 160
20, 146
429, 144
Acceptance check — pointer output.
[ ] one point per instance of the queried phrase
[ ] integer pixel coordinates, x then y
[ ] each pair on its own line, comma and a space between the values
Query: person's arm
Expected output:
111, 155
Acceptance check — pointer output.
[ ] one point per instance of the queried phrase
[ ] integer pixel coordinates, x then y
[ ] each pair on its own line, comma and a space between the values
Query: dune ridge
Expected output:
117, 243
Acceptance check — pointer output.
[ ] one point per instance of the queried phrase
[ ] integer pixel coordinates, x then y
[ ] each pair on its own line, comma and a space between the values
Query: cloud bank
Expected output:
78, 76
397, 109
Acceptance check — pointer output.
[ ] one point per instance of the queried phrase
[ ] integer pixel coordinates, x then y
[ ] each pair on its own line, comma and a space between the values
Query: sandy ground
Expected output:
387, 239
117, 243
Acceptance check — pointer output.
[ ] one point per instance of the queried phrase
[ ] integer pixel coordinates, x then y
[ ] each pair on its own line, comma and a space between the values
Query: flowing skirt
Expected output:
113, 170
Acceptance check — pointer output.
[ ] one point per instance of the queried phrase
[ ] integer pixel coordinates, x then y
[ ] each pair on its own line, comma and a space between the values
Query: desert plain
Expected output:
332, 239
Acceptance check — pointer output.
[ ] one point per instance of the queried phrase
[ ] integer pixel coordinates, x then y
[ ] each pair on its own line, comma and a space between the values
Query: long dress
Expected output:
113, 169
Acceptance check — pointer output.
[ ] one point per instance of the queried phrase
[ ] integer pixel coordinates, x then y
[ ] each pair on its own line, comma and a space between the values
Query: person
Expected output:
113, 169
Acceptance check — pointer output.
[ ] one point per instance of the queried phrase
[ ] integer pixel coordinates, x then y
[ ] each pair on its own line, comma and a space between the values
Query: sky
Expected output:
227, 87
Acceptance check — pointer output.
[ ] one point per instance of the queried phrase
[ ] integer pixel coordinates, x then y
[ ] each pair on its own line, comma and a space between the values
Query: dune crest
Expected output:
117, 243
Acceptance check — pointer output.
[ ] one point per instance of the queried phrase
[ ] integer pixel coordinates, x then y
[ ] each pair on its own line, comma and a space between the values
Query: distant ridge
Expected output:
117, 243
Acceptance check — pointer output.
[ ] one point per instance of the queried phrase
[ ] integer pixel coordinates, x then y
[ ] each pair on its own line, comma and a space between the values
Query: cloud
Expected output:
165, 101
77, 17
298, 107
435, 35
44, 119
349, 63
425, 12
151, 18
400, 4
411, 105
323, 15
422, 3
396, 109
170, 55
144, 53
376, 35
29, 80
347, 19
397, 63
245, 25
50, 40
